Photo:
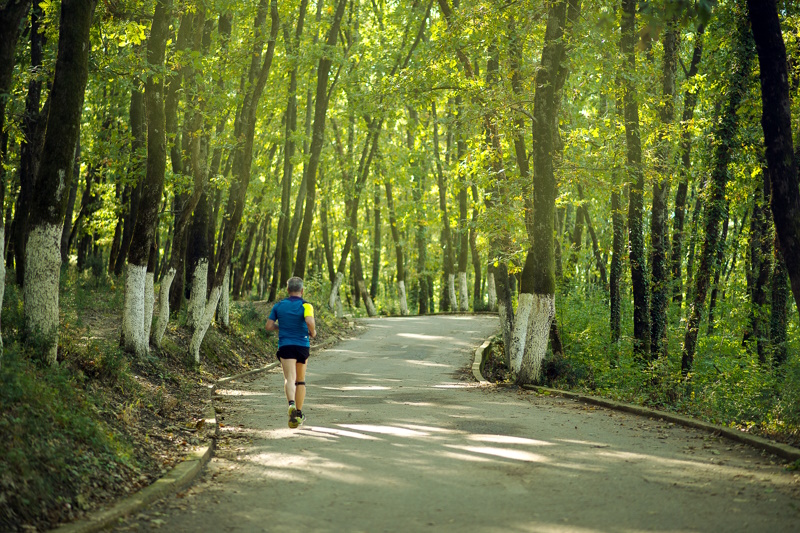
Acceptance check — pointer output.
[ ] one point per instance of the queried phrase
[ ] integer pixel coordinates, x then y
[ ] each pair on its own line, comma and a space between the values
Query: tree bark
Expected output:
133, 327
659, 273
73, 193
689, 102
243, 156
398, 247
33, 123
777, 125
779, 309
11, 17
714, 195
376, 241
448, 301
639, 281
50, 196
132, 194
537, 293
283, 248
317, 139
759, 269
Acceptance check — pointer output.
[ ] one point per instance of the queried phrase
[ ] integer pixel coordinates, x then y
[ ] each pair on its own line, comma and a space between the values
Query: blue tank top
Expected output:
290, 314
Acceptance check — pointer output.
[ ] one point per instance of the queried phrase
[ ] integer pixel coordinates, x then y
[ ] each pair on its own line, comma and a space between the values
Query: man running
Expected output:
296, 320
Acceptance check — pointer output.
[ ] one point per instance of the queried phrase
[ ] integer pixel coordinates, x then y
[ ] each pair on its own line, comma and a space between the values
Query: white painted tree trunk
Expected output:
451, 287
2, 281
224, 312
543, 309
403, 301
506, 326
463, 292
133, 330
368, 303
42, 272
208, 315
335, 300
491, 291
163, 308
519, 333
149, 303
197, 302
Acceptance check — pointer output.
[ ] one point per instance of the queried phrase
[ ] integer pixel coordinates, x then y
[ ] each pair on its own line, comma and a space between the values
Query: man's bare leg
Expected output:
300, 390
289, 378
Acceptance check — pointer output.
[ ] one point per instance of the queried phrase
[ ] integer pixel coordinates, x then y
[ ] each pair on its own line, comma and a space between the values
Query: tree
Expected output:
641, 315
714, 194
11, 15
777, 125
134, 329
43, 251
244, 132
537, 305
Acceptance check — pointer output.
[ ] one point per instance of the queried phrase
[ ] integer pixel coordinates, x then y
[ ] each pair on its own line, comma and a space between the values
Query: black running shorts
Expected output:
294, 352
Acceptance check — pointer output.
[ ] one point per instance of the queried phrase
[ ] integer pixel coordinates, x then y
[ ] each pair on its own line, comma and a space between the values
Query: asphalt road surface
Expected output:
399, 437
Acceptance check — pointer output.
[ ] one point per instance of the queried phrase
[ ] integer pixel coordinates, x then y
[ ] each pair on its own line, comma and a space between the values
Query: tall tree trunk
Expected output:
193, 160
133, 328
463, 222
242, 259
477, 263
598, 257
718, 270
615, 276
198, 259
376, 241
73, 193
43, 254
537, 306
283, 249
499, 242
759, 269
659, 274
33, 123
317, 140
639, 281
777, 125
398, 248
243, 157
714, 194
779, 309
131, 195
360, 284
11, 17
689, 102
326, 241
448, 302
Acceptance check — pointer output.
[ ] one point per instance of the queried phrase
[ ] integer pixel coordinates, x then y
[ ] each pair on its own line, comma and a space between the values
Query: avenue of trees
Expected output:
636, 161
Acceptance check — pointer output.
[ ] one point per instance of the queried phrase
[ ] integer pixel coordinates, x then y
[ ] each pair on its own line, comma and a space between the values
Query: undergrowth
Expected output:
727, 385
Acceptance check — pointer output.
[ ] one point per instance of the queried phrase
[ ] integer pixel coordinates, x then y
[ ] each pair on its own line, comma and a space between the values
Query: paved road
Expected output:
398, 439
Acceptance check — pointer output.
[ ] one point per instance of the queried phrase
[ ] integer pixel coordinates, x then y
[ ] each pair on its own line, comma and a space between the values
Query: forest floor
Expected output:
103, 425
400, 437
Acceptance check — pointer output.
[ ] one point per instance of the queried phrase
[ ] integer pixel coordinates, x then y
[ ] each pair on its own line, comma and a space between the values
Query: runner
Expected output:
296, 320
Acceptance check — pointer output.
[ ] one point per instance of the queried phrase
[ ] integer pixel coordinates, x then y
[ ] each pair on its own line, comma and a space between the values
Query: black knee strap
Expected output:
296, 383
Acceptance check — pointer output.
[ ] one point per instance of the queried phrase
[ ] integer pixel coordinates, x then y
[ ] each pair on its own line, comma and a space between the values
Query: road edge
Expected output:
181, 475
784, 451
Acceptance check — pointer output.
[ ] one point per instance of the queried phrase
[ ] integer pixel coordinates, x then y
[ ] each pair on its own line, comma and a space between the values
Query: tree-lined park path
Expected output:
397, 440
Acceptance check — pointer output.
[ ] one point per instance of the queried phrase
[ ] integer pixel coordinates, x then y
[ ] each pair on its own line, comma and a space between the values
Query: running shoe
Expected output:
300, 417
293, 423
